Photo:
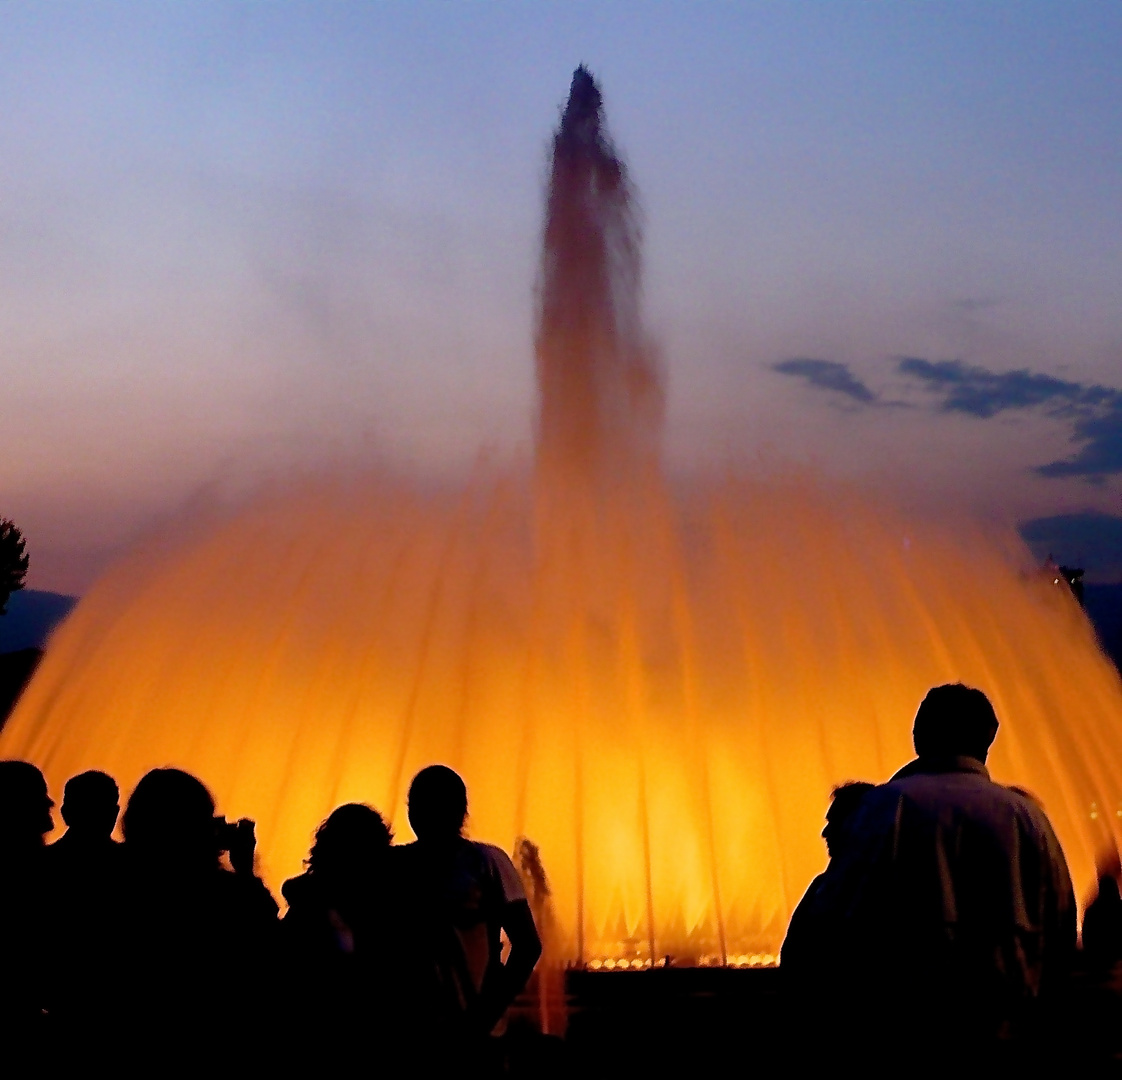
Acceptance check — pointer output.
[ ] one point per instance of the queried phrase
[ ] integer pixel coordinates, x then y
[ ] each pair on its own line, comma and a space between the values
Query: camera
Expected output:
225, 833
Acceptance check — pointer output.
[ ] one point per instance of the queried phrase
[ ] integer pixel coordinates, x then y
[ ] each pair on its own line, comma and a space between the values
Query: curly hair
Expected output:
352, 833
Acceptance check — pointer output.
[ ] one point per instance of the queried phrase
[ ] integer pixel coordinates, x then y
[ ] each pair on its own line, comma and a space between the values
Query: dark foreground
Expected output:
685, 1017
718, 1021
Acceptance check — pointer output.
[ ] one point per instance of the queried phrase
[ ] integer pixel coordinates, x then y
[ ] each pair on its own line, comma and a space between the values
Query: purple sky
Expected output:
241, 238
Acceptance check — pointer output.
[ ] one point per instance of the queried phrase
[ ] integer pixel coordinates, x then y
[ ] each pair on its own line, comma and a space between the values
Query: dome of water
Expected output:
657, 688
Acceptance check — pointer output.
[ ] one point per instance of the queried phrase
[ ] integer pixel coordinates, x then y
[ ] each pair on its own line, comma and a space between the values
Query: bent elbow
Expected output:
529, 952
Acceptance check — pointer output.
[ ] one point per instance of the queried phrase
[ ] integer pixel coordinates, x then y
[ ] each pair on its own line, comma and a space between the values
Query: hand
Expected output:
243, 843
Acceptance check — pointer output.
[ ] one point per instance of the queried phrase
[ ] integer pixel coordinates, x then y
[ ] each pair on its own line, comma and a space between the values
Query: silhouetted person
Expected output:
954, 903
199, 936
87, 852
1102, 921
85, 873
340, 943
25, 819
463, 896
810, 934
1095, 1001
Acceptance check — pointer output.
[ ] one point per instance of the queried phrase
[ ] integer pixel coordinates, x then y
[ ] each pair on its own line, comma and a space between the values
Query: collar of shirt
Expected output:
932, 765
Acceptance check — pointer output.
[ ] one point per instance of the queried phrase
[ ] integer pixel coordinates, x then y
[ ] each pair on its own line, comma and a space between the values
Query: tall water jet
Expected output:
658, 689
600, 395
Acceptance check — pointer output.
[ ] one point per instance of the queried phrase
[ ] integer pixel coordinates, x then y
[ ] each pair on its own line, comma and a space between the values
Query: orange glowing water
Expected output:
662, 706
658, 689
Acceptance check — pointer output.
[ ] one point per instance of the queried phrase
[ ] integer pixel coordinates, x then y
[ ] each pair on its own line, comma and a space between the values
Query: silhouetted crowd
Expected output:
164, 954
942, 934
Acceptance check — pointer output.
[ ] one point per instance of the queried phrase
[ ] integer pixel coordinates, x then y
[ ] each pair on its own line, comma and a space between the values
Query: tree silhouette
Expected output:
13, 562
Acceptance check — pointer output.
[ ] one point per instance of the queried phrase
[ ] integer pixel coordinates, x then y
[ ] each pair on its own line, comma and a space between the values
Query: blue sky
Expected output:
237, 238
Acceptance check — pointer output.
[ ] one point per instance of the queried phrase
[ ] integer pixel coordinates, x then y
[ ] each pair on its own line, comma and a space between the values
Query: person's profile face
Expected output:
46, 821
829, 831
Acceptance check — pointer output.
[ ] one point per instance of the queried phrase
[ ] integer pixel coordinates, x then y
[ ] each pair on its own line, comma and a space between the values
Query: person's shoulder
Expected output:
298, 890
1030, 809
924, 787
56, 853
1020, 796
492, 854
502, 868
812, 891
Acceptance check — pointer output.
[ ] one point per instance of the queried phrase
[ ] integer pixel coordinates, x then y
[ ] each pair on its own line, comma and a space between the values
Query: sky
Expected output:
239, 240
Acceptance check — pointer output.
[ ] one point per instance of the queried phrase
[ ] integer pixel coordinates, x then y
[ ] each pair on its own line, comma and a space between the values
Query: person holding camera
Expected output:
200, 937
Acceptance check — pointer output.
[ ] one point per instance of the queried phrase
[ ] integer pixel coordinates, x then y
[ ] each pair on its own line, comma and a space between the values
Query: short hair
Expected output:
22, 788
846, 799
20, 779
954, 720
437, 801
25, 803
91, 789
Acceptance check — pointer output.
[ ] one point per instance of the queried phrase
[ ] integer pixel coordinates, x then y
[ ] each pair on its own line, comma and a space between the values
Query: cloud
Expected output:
983, 393
1101, 453
828, 375
1089, 538
1094, 411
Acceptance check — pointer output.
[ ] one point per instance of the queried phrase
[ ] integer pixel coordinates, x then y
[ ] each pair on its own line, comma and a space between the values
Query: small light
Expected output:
596, 965
610, 964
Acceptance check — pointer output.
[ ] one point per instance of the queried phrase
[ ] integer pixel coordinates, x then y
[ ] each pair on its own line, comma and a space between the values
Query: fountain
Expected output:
657, 686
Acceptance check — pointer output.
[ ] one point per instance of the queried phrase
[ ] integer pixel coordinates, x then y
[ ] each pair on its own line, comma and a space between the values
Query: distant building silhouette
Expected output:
1073, 575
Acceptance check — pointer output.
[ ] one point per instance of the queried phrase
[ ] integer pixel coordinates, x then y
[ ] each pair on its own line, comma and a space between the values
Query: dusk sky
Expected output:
241, 239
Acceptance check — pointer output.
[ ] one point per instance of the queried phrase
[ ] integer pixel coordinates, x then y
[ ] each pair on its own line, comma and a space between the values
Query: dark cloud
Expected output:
983, 393
1090, 539
827, 375
1094, 411
1101, 452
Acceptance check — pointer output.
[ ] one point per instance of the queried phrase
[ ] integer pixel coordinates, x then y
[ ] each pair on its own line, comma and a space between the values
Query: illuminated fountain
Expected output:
658, 688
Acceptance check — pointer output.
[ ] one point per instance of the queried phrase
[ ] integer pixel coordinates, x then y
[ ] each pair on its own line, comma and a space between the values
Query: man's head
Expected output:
437, 803
846, 802
25, 805
91, 803
953, 721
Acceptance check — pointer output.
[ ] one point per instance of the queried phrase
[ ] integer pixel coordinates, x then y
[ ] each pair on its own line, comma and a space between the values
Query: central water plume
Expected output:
600, 393
658, 690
